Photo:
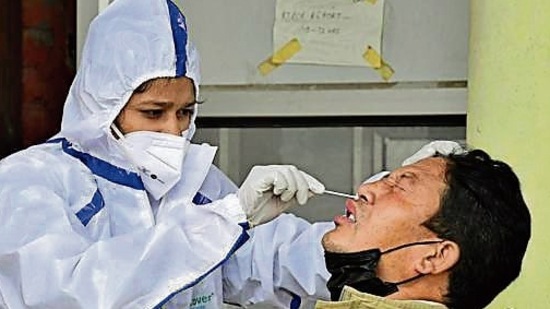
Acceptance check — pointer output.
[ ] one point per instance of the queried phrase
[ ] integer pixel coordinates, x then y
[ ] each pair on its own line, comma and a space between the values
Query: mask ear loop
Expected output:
120, 140
117, 132
408, 280
426, 242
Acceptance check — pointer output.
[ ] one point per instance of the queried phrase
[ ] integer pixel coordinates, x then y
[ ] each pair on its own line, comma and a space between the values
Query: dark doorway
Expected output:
37, 66
10, 76
48, 49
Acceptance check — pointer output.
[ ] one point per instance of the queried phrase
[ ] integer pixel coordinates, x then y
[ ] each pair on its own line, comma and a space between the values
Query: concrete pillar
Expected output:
509, 116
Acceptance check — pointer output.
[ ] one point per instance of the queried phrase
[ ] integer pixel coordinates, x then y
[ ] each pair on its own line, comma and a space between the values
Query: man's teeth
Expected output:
350, 216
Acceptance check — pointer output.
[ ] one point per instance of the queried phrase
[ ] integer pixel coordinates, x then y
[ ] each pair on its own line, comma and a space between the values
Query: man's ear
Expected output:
439, 258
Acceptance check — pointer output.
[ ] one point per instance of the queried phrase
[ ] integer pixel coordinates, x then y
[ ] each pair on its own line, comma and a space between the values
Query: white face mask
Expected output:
157, 156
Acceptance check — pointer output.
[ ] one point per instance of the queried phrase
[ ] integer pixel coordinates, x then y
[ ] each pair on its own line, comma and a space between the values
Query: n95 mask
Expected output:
157, 156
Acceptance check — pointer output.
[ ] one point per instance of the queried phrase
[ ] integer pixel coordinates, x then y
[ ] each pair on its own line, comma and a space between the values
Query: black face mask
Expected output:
358, 270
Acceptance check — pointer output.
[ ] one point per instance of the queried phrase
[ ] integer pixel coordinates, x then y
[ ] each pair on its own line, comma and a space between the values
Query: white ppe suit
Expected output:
77, 229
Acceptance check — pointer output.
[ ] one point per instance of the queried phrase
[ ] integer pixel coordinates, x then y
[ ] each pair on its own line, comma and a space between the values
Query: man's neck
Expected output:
431, 288
352, 298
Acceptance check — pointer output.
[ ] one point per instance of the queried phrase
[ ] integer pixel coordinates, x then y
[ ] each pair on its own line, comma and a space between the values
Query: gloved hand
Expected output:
269, 190
433, 148
376, 177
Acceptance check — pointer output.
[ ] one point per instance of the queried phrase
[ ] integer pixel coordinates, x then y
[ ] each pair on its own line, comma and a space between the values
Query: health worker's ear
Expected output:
438, 259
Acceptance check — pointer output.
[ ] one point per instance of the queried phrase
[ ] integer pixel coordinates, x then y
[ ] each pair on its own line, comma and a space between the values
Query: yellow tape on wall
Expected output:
281, 56
373, 58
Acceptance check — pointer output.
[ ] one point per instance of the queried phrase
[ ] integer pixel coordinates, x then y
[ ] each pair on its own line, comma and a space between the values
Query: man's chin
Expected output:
329, 243
325, 241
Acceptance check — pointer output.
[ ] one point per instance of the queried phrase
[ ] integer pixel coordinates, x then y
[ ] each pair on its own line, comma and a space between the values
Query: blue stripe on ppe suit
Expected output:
112, 173
179, 32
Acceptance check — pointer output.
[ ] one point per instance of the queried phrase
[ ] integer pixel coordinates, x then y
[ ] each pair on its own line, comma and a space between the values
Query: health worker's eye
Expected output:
186, 112
152, 113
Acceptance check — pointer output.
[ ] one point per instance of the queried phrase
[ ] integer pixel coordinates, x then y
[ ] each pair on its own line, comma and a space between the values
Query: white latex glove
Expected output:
269, 190
433, 148
376, 177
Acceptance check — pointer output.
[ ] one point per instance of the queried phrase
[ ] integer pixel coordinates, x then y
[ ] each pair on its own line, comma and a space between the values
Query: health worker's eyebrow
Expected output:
163, 104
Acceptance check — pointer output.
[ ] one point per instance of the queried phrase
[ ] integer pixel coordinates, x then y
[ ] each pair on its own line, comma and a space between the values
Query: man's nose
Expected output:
373, 190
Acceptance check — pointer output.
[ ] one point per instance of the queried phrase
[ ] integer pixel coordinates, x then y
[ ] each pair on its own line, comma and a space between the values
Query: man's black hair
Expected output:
483, 211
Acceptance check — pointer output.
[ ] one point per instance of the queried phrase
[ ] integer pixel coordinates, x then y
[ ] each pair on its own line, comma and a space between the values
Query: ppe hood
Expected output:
128, 43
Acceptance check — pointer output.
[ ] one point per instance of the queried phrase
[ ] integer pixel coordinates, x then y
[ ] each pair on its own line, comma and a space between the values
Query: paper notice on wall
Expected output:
331, 32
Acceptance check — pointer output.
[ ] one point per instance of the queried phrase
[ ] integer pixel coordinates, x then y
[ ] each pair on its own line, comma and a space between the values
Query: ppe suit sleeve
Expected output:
281, 265
47, 260
217, 185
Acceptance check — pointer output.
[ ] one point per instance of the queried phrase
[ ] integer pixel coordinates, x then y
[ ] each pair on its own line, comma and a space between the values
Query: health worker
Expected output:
121, 210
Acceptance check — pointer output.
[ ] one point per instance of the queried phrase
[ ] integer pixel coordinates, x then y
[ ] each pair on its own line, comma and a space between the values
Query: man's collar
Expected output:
353, 299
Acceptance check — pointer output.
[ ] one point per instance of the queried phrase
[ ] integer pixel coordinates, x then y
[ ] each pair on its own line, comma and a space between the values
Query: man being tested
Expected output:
120, 210
449, 231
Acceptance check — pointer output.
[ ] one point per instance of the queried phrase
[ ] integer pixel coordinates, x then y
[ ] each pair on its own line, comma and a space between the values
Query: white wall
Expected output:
425, 41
